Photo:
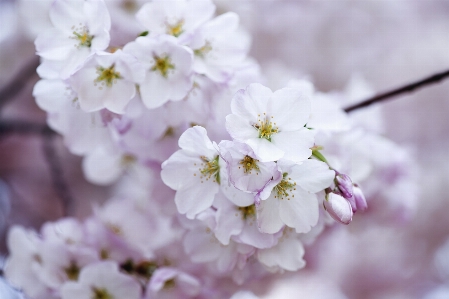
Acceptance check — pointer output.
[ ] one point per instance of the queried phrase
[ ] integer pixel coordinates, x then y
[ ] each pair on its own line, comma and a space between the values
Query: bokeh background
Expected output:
383, 44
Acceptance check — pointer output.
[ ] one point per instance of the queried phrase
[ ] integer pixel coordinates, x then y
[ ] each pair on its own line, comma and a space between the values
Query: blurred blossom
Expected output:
220, 127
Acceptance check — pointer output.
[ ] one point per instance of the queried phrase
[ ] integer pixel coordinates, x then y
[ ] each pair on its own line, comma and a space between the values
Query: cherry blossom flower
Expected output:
292, 201
219, 47
81, 28
179, 18
194, 172
272, 124
107, 81
245, 171
168, 69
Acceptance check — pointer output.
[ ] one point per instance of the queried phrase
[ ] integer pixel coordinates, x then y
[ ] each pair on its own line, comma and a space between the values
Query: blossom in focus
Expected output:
293, 201
194, 172
272, 123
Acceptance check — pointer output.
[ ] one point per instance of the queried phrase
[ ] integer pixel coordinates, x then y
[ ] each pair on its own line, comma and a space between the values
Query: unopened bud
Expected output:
359, 198
338, 207
344, 184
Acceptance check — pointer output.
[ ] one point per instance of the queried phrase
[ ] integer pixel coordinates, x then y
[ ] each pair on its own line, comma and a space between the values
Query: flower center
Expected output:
72, 271
129, 5
284, 188
82, 35
162, 64
128, 160
175, 29
169, 284
201, 52
100, 294
249, 164
107, 76
266, 127
248, 212
211, 168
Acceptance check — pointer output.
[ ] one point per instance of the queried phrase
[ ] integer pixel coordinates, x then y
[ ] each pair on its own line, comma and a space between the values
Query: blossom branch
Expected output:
54, 163
18, 81
405, 89
23, 127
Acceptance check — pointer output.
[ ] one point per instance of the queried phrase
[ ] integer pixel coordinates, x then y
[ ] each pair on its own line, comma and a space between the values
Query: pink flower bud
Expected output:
344, 184
359, 198
338, 207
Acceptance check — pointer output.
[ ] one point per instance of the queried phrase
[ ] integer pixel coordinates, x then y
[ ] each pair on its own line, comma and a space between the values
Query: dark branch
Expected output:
16, 84
51, 156
405, 89
23, 127
59, 184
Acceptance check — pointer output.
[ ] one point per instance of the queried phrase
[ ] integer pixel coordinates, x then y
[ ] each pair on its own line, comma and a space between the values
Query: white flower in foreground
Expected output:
102, 281
194, 172
245, 172
108, 81
179, 18
272, 123
168, 69
81, 28
293, 201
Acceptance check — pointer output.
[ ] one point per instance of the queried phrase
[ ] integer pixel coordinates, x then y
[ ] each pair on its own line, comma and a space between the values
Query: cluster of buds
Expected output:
345, 199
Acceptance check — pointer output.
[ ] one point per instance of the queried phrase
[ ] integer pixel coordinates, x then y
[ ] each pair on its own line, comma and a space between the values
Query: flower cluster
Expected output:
105, 257
221, 181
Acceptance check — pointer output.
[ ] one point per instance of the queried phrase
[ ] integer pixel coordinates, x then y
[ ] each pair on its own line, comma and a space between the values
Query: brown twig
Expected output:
22, 127
405, 89
59, 184
16, 84
54, 163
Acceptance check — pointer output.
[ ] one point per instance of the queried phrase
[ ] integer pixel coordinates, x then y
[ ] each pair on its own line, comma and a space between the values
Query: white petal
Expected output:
287, 255
268, 218
178, 171
50, 95
155, 90
290, 108
295, 144
265, 150
201, 246
250, 102
240, 128
195, 140
191, 200
118, 95
102, 168
300, 212
312, 175
90, 97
